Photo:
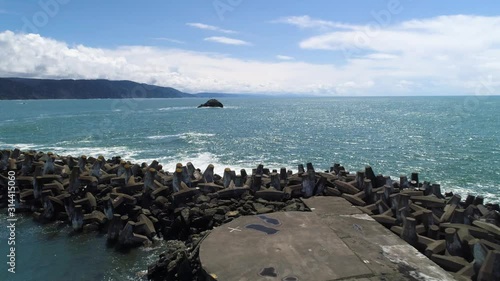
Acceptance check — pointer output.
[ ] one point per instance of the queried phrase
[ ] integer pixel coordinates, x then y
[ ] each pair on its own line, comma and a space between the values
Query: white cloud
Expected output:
210, 27
227, 40
308, 22
447, 53
169, 40
406, 86
31, 55
442, 34
380, 56
282, 57
441, 55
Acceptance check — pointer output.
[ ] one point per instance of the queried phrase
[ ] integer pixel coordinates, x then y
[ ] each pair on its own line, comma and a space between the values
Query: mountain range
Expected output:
27, 88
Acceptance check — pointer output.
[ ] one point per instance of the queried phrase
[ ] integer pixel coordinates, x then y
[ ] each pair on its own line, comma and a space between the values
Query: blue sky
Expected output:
391, 47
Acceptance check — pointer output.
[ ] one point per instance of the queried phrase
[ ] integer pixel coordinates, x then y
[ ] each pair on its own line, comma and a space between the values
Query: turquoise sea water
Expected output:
454, 141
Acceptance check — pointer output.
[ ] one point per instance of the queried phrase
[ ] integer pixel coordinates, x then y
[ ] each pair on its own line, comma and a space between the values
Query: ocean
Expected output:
453, 141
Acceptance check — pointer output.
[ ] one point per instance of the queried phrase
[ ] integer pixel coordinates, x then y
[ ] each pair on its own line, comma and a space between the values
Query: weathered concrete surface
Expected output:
299, 245
386, 255
334, 242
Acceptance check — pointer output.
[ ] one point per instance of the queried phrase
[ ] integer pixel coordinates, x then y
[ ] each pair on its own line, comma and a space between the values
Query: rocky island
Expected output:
212, 103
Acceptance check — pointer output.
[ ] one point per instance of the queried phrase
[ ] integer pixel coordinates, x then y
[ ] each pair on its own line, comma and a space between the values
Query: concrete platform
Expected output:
334, 242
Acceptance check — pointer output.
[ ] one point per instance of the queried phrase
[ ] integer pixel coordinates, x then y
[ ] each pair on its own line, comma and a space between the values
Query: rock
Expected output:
490, 270
212, 103
488, 227
170, 262
331, 191
453, 245
115, 227
354, 199
385, 220
264, 210
185, 194
308, 183
202, 199
270, 194
128, 237
345, 187
430, 201
436, 247
409, 233
77, 219
233, 214
96, 216
234, 193
450, 263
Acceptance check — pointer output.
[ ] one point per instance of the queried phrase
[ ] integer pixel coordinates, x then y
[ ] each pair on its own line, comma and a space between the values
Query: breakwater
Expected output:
133, 203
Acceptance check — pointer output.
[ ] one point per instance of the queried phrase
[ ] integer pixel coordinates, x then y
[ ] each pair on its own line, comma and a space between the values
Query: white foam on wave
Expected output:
21, 146
159, 137
157, 245
200, 160
189, 136
74, 142
108, 152
474, 189
126, 153
194, 135
175, 108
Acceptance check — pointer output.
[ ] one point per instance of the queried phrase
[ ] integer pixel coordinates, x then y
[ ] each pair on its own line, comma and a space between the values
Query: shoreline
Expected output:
135, 202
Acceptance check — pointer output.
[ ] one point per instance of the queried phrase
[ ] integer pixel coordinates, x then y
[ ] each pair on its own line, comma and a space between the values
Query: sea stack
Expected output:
212, 103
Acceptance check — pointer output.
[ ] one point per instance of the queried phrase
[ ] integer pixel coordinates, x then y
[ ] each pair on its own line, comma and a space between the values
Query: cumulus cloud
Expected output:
209, 27
31, 55
444, 50
227, 40
308, 22
440, 35
169, 40
381, 56
440, 55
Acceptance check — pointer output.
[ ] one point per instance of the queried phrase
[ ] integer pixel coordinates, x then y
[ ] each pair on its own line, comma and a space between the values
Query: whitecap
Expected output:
175, 108
195, 137
159, 137
190, 137
474, 189
125, 152
200, 160
20, 146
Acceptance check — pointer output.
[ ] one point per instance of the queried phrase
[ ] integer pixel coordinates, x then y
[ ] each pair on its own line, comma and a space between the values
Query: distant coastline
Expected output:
34, 89
15, 88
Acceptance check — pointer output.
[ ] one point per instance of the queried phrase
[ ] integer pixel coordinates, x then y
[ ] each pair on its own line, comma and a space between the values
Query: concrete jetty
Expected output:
335, 241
